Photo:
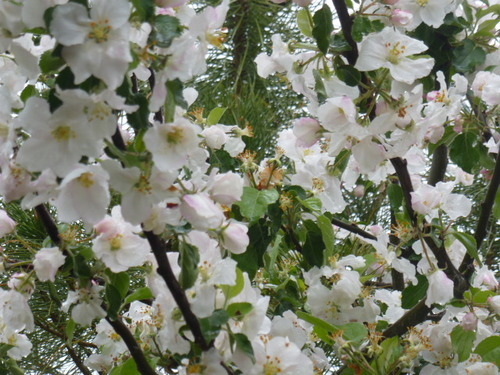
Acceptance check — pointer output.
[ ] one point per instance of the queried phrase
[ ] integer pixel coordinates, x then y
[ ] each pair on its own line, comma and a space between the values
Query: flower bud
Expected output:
401, 17
215, 137
201, 212
227, 188
7, 225
469, 322
235, 238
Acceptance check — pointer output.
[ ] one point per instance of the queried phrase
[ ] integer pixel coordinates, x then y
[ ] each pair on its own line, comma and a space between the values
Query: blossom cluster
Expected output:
205, 269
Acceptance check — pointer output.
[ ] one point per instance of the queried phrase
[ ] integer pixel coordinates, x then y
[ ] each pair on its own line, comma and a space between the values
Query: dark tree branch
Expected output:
412, 317
346, 23
118, 140
293, 238
78, 361
439, 164
160, 248
353, 228
405, 182
143, 365
482, 224
48, 223
158, 116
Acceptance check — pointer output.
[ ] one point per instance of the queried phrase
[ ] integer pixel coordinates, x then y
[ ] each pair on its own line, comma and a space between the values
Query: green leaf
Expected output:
139, 294
166, 28
317, 322
496, 207
470, 244
244, 344
239, 309
323, 28
414, 293
390, 352
327, 233
69, 330
319, 87
314, 204
114, 300
145, 9
215, 115
189, 258
363, 26
463, 151
211, 325
489, 349
254, 202
140, 118
395, 193
174, 98
462, 342
233, 290
28, 92
82, 269
314, 246
129, 367
304, 22
348, 74
467, 56
49, 63
354, 331
121, 281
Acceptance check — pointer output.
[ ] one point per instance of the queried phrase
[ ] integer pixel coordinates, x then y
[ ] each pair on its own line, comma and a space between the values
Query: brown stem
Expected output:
135, 350
346, 23
353, 228
401, 169
411, 318
160, 248
467, 267
158, 116
439, 164
48, 223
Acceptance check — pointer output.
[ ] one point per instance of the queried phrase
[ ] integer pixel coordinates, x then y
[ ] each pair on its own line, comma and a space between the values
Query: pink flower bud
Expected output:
359, 191
469, 322
7, 225
201, 212
215, 137
401, 17
495, 304
235, 237
227, 188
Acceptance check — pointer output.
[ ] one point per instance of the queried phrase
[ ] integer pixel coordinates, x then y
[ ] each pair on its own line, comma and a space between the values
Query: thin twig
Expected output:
159, 248
353, 228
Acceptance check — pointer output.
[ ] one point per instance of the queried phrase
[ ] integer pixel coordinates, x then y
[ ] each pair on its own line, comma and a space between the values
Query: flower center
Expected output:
272, 367
143, 185
63, 133
86, 179
116, 242
422, 3
99, 31
175, 135
100, 111
394, 52
318, 184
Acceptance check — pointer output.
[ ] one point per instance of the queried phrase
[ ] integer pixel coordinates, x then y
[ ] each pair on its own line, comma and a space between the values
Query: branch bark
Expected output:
482, 224
159, 249
412, 317
143, 365
48, 223
346, 23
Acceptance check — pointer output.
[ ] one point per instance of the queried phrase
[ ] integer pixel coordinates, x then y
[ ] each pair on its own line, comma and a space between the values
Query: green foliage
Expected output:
254, 203
462, 342
188, 260
323, 28
489, 349
467, 56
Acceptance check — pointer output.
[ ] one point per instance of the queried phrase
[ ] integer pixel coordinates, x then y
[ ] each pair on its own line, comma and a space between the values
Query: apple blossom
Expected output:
87, 304
47, 261
392, 49
96, 43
